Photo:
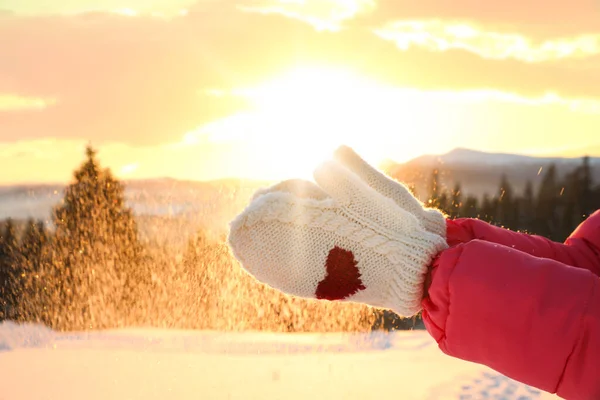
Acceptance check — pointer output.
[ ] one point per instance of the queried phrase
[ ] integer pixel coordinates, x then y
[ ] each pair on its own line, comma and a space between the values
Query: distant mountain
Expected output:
461, 156
480, 172
169, 207
185, 206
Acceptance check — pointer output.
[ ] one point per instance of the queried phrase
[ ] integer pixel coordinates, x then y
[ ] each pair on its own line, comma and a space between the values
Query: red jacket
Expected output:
521, 304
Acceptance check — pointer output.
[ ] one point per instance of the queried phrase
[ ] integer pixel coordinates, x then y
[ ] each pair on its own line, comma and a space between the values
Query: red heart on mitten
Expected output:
343, 277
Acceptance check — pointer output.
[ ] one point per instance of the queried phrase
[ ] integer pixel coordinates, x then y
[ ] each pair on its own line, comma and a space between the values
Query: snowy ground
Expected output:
36, 363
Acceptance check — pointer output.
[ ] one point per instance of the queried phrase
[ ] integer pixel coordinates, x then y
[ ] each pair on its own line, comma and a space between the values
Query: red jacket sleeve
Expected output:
532, 319
581, 250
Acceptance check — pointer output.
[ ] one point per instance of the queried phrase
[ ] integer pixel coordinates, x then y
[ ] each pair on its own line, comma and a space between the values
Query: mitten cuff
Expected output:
434, 221
411, 260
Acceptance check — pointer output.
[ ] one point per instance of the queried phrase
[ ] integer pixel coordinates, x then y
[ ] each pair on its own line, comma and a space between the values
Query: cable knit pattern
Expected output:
433, 220
286, 235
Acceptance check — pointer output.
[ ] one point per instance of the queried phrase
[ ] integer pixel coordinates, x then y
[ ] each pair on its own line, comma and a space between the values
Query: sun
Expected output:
301, 116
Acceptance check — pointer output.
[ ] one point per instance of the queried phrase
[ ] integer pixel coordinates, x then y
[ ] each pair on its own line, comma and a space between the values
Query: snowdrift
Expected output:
37, 363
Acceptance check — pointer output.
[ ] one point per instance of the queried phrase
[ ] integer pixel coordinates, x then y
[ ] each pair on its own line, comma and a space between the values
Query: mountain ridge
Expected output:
215, 201
461, 155
479, 173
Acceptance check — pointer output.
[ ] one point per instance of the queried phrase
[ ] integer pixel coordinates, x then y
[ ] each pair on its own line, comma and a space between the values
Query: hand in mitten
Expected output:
433, 220
342, 241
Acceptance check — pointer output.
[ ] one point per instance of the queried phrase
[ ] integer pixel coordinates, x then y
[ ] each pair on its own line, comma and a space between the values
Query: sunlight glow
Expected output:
129, 169
301, 116
128, 12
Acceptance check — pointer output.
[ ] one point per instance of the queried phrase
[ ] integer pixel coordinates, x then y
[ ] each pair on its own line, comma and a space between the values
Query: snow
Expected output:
37, 363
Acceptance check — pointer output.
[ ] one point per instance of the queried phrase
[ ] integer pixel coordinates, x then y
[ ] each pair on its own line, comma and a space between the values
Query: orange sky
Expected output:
265, 89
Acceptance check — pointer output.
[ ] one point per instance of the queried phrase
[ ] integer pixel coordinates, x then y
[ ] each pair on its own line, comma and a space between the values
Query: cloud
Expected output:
11, 102
321, 14
128, 12
143, 81
33, 7
43, 150
461, 69
441, 36
128, 169
54, 160
536, 19
249, 144
135, 79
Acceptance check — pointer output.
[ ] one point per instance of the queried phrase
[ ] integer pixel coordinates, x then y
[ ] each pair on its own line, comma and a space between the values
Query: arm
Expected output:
581, 250
533, 319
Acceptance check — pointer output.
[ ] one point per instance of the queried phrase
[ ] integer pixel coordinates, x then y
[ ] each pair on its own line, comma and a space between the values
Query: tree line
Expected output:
553, 211
83, 269
88, 268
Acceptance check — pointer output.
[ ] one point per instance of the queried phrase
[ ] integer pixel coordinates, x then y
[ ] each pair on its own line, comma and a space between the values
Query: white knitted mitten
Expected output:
299, 187
433, 220
346, 242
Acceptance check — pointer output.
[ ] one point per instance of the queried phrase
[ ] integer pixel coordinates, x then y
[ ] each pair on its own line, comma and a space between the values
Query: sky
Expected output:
266, 89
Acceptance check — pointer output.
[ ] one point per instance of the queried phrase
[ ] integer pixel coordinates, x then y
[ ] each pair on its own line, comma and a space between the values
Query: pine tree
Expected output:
443, 202
205, 272
470, 208
34, 280
9, 270
32, 243
507, 210
596, 198
547, 203
456, 202
527, 208
488, 208
570, 203
586, 195
93, 215
434, 190
96, 249
4, 279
